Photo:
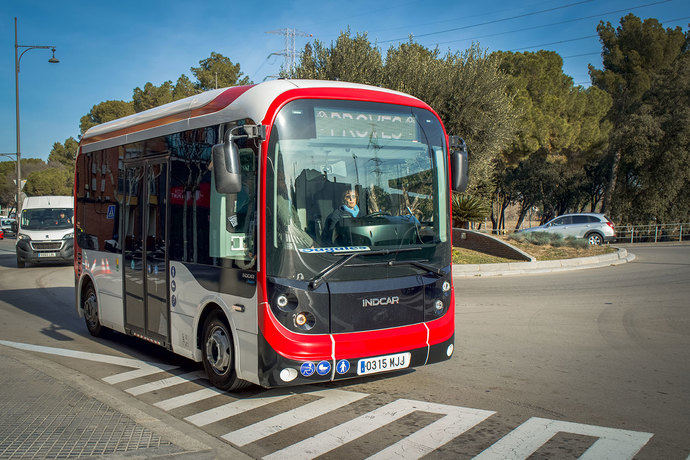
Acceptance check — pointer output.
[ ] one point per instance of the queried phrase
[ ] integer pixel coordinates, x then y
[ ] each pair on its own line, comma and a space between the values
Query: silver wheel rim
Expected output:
594, 240
91, 310
218, 353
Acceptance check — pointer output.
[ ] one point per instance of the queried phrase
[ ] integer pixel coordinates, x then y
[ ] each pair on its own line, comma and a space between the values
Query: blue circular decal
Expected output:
174, 300
343, 366
307, 369
172, 271
173, 285
323, 368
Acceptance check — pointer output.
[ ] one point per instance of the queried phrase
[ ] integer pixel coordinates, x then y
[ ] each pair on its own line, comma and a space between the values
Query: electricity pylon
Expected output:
290, 52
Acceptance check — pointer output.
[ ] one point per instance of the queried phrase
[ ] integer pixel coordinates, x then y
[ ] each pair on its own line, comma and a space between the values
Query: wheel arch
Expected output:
84, 281
210, 306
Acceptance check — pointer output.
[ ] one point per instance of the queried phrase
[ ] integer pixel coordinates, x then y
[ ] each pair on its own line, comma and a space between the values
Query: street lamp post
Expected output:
17, 58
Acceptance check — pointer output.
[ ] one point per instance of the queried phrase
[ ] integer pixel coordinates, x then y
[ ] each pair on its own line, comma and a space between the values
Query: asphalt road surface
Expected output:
591, 362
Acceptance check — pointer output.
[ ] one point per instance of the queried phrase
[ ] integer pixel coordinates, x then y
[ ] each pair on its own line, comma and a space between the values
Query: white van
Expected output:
46, 230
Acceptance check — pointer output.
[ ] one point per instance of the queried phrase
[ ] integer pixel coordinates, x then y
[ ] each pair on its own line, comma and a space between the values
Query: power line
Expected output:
554, 23
555, 43
532, 13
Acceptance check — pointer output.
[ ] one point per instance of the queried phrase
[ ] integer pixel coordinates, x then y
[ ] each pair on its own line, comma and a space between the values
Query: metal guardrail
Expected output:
653, 233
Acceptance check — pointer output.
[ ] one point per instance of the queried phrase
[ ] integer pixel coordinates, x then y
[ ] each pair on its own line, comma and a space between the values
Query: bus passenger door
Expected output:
133, 249
144, 251
157, 314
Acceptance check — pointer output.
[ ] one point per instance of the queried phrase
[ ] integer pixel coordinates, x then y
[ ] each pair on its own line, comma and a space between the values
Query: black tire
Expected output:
89, 303
20, 263
218, 354
594, 239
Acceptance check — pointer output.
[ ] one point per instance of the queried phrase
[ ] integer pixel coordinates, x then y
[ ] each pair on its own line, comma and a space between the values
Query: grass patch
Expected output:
547, 246
468, 256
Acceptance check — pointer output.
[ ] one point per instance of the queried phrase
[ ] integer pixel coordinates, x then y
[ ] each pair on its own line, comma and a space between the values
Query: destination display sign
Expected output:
361, 124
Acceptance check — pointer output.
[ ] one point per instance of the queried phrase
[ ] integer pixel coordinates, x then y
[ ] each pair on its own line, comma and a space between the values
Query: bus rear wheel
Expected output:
218, 355
90, 307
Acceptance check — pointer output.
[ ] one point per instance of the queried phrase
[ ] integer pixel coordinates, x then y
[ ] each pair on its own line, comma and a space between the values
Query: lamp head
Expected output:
53, 60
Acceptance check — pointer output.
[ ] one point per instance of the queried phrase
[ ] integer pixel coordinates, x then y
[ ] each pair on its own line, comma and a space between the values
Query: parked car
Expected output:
595, 228
6, 225
2, 234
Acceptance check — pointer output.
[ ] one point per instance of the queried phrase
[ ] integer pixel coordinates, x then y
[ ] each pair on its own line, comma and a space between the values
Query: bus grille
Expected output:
46, 246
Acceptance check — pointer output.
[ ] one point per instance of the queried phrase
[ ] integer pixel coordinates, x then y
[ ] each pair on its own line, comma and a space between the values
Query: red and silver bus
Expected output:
284, 233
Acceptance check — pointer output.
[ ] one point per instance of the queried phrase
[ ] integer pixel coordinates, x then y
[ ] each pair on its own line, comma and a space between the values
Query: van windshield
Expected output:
47, 219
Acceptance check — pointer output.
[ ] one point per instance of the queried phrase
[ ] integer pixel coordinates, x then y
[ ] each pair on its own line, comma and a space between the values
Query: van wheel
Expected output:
218, 355
594, 239
90, 306
20, 263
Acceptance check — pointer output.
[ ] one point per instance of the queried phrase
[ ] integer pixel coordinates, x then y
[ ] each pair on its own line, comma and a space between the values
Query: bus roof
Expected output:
209, 108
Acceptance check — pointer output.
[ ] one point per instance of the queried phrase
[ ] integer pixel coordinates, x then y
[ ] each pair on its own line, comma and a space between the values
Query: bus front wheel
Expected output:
90, 307
218, 355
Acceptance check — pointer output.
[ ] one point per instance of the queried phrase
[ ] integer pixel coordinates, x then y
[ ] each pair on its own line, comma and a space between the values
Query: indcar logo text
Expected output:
381, 301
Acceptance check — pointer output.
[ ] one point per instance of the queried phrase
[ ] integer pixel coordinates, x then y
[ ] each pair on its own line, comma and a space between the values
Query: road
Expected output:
545, 365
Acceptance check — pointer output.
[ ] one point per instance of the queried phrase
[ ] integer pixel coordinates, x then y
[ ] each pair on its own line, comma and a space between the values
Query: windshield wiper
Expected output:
338, 264
418, 263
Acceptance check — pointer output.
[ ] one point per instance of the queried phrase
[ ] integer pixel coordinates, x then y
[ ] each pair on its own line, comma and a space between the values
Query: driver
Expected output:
348, 209
63, 219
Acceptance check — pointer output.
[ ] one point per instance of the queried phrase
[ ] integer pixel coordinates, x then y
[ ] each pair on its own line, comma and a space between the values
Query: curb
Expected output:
544, 266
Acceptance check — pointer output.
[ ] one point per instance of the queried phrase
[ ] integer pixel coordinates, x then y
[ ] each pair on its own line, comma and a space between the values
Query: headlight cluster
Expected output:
22, 236
68, 236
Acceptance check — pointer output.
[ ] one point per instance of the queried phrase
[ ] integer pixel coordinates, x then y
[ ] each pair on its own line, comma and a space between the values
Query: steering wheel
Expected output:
378, 213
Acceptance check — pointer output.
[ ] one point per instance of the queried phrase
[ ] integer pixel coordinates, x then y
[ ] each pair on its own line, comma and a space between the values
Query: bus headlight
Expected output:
282, 301
445, 286
438, 306
304, 320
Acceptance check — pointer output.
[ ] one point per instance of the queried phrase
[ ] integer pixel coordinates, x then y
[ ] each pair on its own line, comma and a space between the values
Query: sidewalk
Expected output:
48, 411
544, 266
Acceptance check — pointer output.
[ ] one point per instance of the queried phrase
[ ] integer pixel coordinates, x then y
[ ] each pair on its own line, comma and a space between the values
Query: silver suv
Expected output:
595, 228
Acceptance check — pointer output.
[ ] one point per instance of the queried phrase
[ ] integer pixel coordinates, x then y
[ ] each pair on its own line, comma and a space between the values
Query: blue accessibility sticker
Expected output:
343, 366
307, 369
172, 271
111, 212
323, 368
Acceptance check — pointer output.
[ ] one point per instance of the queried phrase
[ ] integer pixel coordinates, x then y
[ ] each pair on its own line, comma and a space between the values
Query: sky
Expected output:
106, 49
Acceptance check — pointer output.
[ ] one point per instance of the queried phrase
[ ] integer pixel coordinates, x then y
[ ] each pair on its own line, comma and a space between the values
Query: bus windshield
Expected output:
349, 176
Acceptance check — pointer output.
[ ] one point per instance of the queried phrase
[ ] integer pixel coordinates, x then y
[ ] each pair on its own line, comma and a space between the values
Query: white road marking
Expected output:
232, 409
330, 400
127, 362
166, 382
131, 375
526, 439
456, 421
518, 444
189, 398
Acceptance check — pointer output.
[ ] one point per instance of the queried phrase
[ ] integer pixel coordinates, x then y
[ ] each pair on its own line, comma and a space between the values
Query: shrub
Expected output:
553, 239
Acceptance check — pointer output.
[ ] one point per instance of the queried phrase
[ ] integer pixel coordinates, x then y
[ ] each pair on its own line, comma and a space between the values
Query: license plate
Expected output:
383, 363
47, 254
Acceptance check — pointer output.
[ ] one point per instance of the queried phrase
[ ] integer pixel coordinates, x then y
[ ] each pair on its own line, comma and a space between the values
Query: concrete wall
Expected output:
476, 241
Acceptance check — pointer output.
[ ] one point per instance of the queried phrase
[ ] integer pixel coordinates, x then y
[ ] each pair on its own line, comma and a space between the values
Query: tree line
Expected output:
536, 140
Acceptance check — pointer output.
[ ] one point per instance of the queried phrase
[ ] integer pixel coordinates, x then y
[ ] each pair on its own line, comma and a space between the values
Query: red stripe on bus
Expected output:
316, 347
218, 103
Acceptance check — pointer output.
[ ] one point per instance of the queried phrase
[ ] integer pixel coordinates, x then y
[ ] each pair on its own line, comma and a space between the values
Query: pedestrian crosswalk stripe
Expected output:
520, 443
232, 409
189, 398
526, 439
166, 382
331, 399
456, 421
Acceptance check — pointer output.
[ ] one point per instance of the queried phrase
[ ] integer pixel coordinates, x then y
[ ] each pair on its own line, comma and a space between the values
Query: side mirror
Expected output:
458, 164
226, 167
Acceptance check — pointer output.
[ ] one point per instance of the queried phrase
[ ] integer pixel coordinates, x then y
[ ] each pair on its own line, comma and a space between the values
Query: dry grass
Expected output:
548, 252
468, 256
